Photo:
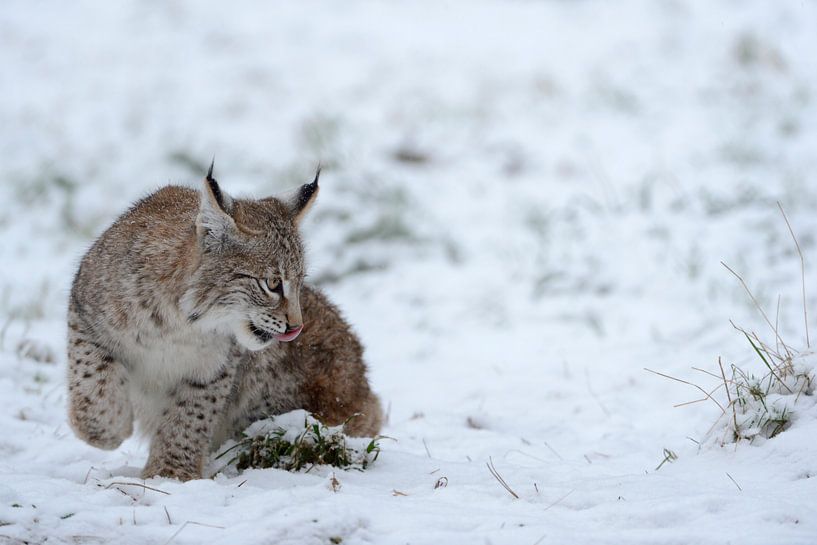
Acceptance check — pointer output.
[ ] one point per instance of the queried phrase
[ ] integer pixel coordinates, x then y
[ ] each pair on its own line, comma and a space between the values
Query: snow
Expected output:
524, 204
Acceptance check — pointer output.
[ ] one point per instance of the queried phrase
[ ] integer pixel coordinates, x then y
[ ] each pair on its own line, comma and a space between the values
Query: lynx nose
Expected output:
293, 309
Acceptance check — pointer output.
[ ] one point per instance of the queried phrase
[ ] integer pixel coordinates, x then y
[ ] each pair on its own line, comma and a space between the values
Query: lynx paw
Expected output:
102, 428
170, 471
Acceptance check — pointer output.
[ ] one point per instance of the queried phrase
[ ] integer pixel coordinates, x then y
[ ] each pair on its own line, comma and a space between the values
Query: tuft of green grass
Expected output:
286, 447
762, 406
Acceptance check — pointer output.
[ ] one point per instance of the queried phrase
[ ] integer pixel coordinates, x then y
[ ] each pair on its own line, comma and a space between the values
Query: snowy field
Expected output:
524, 205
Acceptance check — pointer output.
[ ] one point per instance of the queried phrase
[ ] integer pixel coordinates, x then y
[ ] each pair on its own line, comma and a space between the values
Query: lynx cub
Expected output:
190, 314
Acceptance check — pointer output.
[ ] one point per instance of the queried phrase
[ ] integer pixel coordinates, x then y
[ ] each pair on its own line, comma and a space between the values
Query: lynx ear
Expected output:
303, 199
214, 220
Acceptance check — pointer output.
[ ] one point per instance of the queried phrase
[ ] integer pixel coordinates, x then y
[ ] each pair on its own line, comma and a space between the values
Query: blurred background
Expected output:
523, 203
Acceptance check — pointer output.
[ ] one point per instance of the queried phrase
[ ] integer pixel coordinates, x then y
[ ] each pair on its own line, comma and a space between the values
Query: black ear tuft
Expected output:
307, 191
214, 187
213, 222
304, 198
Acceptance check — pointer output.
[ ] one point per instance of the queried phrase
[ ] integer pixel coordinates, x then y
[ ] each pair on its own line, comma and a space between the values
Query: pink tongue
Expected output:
290, 335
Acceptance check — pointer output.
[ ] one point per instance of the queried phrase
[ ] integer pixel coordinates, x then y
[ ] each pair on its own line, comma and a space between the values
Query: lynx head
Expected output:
250, 265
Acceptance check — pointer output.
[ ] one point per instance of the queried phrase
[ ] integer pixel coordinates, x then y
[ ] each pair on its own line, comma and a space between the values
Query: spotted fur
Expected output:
177, 319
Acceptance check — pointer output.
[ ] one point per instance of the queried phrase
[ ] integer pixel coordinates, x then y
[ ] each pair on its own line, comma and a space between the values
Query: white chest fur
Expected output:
158, 361
163, 360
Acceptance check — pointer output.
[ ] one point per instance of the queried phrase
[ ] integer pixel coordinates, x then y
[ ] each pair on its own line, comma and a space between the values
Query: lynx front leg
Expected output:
182, 440
100, 411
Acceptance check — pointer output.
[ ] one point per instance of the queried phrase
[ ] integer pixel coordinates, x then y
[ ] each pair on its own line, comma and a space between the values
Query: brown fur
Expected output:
172, 322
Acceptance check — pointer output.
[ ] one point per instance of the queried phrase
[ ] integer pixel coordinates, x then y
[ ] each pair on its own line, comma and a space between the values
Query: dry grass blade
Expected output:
767, 362
804, 387
144, 486
179, 531
90, 469
551, 449
773, 355
708, 396
712, 391
560, 500
704, 371
498, 477
693, 402
669, 456
802, 271
777, 322
593, 393
425, 445
757, 305
780, 367
729, 397
734, 481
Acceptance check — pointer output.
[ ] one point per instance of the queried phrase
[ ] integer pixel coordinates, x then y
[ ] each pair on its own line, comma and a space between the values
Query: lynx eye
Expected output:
269, 286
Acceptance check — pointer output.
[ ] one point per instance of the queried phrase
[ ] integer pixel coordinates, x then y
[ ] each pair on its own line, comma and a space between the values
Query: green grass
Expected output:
761, 401
757, 406
763, 405
295, 449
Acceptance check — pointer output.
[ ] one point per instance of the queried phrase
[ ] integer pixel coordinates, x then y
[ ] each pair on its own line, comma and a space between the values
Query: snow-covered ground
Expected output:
524, 205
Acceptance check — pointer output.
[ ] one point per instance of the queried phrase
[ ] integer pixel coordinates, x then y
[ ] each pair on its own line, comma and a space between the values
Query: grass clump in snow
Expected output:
296, 440
761, 405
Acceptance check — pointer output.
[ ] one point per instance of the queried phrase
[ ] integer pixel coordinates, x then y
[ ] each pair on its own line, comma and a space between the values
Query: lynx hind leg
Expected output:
339, 393
100, 411
335, 386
